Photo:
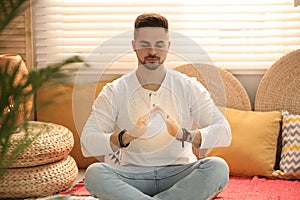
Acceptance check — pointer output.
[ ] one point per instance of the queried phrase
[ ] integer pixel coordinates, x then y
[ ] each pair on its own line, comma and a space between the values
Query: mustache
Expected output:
151, 57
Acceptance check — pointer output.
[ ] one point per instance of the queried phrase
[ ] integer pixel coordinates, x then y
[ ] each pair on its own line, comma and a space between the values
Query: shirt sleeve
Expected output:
214, 127
95, 137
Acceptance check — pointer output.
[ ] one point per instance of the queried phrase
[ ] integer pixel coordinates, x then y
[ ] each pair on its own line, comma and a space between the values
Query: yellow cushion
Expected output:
57, 105
254, 140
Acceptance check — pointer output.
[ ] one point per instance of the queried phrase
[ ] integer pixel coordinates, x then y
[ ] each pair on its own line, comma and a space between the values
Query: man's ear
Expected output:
169, 44
133, 45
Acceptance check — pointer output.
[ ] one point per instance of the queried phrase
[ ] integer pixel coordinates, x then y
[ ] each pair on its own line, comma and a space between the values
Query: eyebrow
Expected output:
143, 41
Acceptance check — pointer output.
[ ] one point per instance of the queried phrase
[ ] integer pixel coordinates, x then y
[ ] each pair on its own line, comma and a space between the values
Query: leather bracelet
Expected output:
185, 136
120, 136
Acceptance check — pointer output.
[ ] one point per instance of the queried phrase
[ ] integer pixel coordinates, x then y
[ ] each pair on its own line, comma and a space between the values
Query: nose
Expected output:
152, 51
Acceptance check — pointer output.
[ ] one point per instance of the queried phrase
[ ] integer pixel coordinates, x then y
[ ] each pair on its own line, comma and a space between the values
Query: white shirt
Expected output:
122, 102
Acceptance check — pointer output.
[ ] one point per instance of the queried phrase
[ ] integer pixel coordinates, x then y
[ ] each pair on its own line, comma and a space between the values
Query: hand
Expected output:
140, 126
172, 125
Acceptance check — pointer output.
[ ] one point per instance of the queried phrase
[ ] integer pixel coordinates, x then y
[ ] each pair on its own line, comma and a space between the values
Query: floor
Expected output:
60, 197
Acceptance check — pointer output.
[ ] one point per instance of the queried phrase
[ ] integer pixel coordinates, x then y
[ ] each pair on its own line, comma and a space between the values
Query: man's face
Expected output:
151, 46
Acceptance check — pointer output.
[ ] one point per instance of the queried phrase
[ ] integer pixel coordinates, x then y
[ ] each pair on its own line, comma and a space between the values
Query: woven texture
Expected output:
280, 86
224, 88
39, 181
290, 155
54, 143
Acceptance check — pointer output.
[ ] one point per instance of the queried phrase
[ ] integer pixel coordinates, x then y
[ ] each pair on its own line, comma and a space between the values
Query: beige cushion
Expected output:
38, 181
254, 141
50, 143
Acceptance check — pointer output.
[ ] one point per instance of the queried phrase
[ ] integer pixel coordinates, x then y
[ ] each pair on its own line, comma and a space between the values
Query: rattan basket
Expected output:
53, 144
39, 181
224, 88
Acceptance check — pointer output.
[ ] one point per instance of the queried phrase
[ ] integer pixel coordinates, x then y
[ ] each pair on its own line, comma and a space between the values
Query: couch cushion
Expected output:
290, 154
254, 141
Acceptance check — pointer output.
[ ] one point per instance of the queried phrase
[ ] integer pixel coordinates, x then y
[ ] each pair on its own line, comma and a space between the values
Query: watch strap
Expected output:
120, 140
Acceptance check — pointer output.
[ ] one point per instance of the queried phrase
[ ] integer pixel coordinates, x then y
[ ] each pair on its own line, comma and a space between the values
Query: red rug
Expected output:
239, 188
77, 190
260, 189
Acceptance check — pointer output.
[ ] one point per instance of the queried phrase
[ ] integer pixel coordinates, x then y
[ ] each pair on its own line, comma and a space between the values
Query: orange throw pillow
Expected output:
254, 141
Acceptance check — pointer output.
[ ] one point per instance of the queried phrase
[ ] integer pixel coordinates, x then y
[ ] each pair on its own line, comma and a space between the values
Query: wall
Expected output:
250, 83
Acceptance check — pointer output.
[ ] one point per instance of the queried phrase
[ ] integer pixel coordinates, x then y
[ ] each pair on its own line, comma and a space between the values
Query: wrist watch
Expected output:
120, 140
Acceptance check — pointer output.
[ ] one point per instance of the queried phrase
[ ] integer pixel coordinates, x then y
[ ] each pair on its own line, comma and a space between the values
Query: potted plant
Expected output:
17, 89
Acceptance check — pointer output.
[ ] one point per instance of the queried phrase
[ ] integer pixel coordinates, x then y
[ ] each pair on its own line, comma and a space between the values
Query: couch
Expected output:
265, 141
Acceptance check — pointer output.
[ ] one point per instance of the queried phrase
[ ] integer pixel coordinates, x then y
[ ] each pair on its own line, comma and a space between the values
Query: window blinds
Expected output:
240, 36
16, 36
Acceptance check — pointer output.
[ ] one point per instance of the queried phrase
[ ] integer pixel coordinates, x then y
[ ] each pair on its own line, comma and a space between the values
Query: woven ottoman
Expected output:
45, 167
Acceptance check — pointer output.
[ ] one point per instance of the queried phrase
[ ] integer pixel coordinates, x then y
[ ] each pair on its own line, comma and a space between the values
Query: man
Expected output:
154, 115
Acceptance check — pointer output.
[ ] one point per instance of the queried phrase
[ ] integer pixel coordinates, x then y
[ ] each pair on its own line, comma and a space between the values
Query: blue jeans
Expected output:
202, 179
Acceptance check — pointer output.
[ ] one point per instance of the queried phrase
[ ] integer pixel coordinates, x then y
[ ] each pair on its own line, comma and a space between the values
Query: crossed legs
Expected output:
201, 180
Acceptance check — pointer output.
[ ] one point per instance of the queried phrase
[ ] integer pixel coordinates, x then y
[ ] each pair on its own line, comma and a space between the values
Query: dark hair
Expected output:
150, 20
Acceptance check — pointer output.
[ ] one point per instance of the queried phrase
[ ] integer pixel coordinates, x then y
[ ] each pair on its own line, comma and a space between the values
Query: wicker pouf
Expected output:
40, 180
54, 143
45, 167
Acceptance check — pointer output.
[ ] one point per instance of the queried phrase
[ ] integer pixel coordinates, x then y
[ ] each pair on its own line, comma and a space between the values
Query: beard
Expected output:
151, 65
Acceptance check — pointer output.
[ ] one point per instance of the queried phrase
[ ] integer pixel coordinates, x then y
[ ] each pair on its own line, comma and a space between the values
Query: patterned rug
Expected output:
238, 188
